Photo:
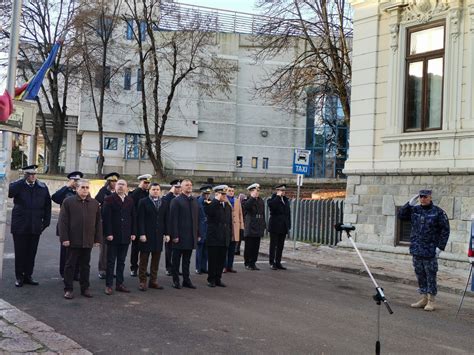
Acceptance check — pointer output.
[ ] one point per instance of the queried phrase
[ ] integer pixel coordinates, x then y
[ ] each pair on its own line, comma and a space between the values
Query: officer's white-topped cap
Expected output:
253, 187
30, 169
220, 188
146, 177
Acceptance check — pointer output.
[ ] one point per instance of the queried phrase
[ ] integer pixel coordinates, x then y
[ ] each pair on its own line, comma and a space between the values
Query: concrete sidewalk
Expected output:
21, 333
384, 266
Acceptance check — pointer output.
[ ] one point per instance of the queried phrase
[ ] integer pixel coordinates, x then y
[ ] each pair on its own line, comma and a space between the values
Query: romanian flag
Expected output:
30, 90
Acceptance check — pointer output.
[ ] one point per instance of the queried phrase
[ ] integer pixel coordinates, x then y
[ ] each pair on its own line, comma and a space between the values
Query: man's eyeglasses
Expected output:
83, 187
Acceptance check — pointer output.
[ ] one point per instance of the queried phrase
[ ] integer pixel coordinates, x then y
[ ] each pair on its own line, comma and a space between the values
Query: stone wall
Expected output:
372, 201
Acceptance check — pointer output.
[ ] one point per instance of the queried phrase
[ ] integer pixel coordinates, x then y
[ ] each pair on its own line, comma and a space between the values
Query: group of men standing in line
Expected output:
177, 221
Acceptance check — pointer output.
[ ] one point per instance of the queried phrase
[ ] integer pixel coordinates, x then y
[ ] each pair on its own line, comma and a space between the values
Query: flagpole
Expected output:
6, 140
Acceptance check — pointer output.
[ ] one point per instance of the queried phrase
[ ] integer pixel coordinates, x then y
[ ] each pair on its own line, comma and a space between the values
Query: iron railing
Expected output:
315, 221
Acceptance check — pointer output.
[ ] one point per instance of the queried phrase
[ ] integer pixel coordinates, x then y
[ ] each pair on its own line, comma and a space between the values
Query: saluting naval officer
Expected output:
237, 228
279, 225
31, 215
254, 226
106, 190
59, 197
140, 192
219, 234
429, 236
175, 190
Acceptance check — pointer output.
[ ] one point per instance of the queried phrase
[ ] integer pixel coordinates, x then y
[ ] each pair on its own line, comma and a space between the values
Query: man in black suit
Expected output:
184, 232
279, 225
254, 226
119, 225
152, 228
31, 215
219, 234
106, 190
140, 192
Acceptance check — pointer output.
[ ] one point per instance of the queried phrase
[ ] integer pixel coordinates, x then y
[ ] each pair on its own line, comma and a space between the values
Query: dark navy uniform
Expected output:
136, 195
201, 250
31, 215
429, 230
279, 225
59, 197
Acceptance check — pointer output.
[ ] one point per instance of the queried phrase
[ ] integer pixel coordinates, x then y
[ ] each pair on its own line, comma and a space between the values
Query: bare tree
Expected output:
44, 22
320, 34
97, 22
171, 59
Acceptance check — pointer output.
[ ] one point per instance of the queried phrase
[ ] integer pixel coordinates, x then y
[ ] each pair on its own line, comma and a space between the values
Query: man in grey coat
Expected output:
184, 232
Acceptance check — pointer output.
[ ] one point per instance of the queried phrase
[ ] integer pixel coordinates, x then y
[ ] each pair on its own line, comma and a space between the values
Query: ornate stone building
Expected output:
412, 123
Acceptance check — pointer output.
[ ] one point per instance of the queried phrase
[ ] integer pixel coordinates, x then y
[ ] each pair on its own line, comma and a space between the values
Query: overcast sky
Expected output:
235, 5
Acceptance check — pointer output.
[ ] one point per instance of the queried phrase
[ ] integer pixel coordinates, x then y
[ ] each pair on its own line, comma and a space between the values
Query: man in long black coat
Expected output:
119, 225
140, 192
219, 234
59, 196
278, 225
184, 232
30, 216
152, 228
106, 190
254, 226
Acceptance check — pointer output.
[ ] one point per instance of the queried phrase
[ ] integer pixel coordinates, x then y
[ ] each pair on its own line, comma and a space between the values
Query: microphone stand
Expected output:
379, 297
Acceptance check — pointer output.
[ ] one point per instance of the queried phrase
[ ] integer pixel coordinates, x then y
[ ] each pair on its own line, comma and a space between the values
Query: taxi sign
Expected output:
301, 161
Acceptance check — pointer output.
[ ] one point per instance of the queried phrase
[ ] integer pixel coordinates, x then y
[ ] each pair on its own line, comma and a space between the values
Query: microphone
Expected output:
344, 227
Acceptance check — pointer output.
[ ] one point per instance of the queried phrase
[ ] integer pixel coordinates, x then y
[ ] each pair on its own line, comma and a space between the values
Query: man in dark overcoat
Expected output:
140, 192
152, 228
175, 190
219, 234
106, 190
184, 232
119, 224
279, 225
59, 196
31, 215
80, 228
254, 226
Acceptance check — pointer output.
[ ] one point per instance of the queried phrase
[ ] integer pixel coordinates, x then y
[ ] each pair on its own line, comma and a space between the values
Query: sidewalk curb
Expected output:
377, 275
21, 333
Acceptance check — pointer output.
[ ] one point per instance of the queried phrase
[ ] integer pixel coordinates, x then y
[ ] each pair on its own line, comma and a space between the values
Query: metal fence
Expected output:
316, 220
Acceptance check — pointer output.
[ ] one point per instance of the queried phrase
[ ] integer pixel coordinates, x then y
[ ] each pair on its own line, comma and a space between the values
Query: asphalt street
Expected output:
299, 311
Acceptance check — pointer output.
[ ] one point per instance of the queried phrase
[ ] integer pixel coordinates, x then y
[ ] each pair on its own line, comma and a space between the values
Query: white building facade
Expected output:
412, 119
234, 135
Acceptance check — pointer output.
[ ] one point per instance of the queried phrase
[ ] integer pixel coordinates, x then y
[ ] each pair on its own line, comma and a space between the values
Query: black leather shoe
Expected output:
168, 273
133, 273
280, 267
255, 267
188, 285
221, 284
176, 285
198, 272
19, 283
273, 267
211, 284
30, 281
101, 275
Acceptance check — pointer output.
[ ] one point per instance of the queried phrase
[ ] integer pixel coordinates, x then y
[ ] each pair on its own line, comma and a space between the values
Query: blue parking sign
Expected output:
301, 161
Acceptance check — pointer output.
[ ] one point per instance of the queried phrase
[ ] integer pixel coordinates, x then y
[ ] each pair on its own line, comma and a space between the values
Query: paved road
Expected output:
298, 311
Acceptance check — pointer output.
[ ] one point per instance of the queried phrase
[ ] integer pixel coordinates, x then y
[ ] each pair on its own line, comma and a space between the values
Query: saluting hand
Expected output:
110, 238
176, 240
66, 243
166, 238
143, 238
133, 237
